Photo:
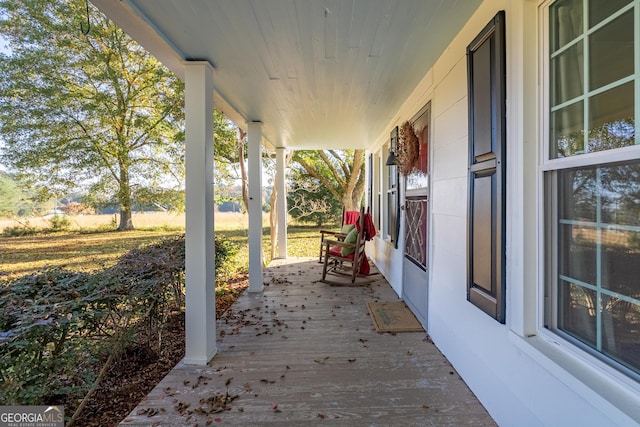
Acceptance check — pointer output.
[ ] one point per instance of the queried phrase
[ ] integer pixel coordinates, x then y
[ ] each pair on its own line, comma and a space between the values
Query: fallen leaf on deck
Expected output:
181, 407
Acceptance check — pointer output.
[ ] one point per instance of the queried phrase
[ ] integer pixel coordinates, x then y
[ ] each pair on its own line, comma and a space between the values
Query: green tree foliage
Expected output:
95, 111
308, 200
16, 201
229, 152
9, 196
342, 173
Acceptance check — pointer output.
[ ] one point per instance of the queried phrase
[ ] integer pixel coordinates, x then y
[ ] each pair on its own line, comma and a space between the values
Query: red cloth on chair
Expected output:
369, 233
351, 217
369, 228
364, 266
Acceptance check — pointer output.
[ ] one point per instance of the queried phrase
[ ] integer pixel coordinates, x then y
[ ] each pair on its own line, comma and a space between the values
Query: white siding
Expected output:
523, 380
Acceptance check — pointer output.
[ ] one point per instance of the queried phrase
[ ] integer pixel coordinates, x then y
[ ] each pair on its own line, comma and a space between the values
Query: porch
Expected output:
303, 351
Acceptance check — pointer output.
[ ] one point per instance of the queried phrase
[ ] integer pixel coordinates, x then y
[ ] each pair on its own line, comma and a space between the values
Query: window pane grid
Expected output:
591, 30
592, 174
602, 291
598, 242
592, 93
594, 109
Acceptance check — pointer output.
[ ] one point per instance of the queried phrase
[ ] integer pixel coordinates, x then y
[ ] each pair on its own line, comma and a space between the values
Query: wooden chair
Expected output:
348, 218
347, 261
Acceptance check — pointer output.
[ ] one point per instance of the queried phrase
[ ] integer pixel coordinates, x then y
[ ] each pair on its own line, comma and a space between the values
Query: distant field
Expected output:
225, 220
95, 250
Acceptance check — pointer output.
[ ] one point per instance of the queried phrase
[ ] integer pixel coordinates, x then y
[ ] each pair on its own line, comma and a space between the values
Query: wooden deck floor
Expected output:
307, 353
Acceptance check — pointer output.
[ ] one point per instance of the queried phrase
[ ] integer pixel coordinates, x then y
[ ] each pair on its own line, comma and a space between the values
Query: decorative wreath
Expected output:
408, 149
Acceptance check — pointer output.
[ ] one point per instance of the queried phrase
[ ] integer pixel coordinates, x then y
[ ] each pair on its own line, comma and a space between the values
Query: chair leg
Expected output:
326, 262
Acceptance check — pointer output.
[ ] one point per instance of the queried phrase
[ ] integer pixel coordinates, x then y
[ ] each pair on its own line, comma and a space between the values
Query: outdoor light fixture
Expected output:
392, 159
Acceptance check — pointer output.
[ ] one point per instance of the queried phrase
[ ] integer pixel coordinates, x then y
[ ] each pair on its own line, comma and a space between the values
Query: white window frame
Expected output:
376, 191
387, 190
548, 166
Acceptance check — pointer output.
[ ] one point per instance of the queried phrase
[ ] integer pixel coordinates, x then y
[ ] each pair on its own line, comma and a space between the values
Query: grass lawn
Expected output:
92, 251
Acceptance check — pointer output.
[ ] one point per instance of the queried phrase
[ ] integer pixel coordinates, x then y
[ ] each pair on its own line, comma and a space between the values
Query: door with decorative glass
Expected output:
415, 209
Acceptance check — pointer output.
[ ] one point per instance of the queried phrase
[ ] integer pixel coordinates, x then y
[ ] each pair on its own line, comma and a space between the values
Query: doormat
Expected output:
393, 317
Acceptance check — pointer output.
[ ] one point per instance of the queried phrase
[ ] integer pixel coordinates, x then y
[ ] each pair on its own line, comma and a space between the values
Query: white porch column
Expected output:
200, 315
254, 154
281, 202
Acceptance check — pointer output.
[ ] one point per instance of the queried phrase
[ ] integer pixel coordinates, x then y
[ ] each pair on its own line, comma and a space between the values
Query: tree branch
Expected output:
334, 171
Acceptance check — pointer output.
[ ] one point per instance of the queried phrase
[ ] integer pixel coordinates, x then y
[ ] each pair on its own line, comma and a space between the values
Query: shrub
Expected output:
56, 223
22, 229
46, 321
59, 223
226, 260
153, 278
57, 326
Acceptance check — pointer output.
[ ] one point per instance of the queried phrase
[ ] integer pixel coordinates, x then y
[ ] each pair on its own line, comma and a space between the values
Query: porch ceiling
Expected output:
318, 74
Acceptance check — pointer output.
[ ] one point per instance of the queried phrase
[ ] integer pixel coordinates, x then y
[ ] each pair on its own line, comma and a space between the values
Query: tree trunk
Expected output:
273, 221
352, 196
124, 196
344, 179
243, 170
273, 214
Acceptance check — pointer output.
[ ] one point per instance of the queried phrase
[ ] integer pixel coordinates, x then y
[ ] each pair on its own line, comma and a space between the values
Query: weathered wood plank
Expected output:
306, 352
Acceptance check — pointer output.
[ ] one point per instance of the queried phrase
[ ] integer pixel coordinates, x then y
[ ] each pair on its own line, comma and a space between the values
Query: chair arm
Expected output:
328, 232
339, 243
335, 234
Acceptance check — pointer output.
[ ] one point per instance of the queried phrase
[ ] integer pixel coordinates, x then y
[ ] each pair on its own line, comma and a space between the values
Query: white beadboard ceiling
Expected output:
316, 73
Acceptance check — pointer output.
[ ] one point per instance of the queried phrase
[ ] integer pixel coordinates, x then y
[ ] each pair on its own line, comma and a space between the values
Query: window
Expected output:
377, 197
592, 179
393, 203
487, 170
370, 182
